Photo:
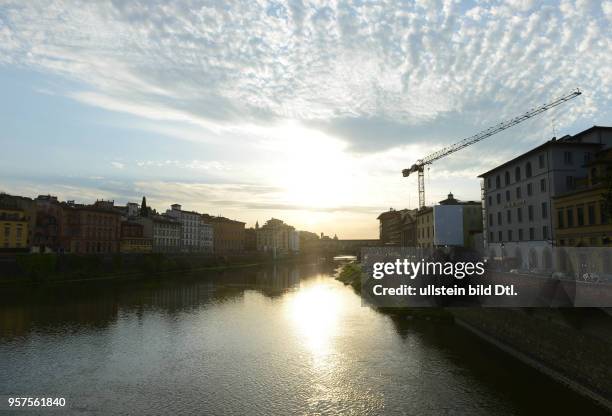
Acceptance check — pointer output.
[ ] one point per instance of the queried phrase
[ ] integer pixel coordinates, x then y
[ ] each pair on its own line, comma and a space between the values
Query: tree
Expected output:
144, 210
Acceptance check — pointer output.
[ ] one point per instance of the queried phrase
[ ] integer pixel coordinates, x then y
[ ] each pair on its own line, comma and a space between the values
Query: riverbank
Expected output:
29, 269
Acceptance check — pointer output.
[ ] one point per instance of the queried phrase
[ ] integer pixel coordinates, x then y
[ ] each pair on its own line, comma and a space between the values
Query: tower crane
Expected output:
420, 164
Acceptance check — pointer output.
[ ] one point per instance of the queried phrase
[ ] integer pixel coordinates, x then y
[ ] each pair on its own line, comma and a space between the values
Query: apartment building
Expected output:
518, 196
191, 240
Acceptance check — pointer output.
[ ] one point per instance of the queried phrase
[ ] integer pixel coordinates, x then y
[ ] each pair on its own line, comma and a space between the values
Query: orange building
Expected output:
89, 229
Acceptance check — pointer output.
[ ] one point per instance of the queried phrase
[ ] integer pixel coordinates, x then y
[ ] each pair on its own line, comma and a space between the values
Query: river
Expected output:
280, 340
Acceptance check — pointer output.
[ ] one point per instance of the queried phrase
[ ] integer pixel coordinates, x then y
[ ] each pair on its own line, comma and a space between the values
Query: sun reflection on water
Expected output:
314, 311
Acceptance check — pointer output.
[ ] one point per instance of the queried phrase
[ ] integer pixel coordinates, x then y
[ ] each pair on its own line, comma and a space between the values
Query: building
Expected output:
14, 230
582, 216
390, 227
450, 223
277, 237
309, 242
425, 227
133, 210
194, 237
27, 207
408, 228
88, 229
207, 237
229, 235
250, 239
518, 196
467, 224
166, 233
133, 239
49, 220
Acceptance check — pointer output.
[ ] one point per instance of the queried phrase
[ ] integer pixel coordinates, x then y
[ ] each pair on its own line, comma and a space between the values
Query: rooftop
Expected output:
565, 140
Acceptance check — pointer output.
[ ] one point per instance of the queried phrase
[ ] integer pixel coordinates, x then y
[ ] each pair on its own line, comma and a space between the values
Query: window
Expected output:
507, 195
543, 185
499, 218
528, 170
491, 236
529, 189
490, 219
498, 198
530, 212
497, 182
518, 192
509, 235
489, 182
544, 210
490, 200
587, 157
570, 217
509, 216
520, 234
569, 182
519, 214
507, 178
531, 234
560, 222
517, 173
541, 161
580, 215
602, 212
544, 233
501, 238
567, 158
591, 214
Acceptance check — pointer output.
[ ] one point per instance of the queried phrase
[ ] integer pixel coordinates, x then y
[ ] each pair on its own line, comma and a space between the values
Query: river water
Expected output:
281, 340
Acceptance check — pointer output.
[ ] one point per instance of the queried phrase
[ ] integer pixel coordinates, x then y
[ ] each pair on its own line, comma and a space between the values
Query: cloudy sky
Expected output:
305, 111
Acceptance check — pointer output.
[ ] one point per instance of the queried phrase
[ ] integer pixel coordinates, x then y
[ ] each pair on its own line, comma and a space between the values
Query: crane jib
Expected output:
419, 165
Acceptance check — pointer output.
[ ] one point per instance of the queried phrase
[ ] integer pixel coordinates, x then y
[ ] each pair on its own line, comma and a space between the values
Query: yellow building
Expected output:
581, 216
580, 219
136, 245
13, 229
425, 227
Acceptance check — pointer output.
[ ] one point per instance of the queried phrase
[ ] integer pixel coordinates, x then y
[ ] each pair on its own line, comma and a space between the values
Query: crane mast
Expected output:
420, 164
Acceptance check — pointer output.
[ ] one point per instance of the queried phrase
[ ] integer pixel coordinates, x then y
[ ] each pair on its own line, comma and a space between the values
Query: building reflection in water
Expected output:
98, 305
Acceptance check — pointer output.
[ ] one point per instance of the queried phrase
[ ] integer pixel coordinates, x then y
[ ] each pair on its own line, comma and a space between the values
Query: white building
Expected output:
206, 236
518, 197
196, 237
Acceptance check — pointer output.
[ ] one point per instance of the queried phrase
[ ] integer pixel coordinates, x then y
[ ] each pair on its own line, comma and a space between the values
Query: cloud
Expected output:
368, 71
117, 165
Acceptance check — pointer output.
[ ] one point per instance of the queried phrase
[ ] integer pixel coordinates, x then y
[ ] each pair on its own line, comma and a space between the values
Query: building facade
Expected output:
582, 218
425, 227
133, 239
390, 227
229, 235
250, 239
192, 238
408, 228
89, 229
518, 197
207, 236
13, 231
49, 219
27, 207
277, 237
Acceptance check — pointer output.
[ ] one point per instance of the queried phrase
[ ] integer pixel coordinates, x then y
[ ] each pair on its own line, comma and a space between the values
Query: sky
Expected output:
298, 110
